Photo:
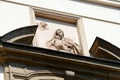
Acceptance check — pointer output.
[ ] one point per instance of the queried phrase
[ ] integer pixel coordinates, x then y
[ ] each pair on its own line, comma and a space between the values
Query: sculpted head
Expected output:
59, 34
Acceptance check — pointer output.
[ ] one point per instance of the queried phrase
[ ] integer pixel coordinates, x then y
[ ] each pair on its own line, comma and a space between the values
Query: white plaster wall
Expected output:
1, 73
76, 7
93, 28
13, 16
104, 30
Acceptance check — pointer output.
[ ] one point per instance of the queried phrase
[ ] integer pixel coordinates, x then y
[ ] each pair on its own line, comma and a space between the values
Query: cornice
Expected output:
102, 47
57, 15
56, 55
106, 3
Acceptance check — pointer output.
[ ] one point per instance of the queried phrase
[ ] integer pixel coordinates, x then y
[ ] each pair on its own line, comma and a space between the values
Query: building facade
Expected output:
60, 40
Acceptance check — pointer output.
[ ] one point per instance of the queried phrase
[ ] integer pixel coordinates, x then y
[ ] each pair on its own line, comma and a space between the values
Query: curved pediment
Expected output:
105, 50
21, 35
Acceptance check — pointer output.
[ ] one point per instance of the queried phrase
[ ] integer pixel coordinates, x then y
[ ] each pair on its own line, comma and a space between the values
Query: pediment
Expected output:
22, 35
105, 50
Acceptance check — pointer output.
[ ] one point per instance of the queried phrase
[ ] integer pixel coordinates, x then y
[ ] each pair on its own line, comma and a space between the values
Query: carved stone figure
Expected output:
43, 25
60, 43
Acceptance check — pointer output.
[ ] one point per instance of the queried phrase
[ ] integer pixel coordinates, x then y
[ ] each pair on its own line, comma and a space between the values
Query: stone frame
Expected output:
64, 17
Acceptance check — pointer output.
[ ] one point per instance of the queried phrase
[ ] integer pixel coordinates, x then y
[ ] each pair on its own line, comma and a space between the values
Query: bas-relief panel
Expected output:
57, 35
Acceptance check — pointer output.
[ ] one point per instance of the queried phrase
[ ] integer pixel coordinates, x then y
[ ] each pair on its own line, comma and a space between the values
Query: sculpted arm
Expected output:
51, 44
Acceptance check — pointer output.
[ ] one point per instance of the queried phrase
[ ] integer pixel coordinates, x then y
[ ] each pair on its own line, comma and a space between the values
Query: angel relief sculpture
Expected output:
59, 42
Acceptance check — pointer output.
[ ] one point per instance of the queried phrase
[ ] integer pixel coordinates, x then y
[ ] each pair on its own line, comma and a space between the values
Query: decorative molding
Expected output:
19, 33
46, 59
36, 74
15, 71
56, 55
57, 15
65, 17
35, 7
83, 39
32, 16
105, 50
106, 2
